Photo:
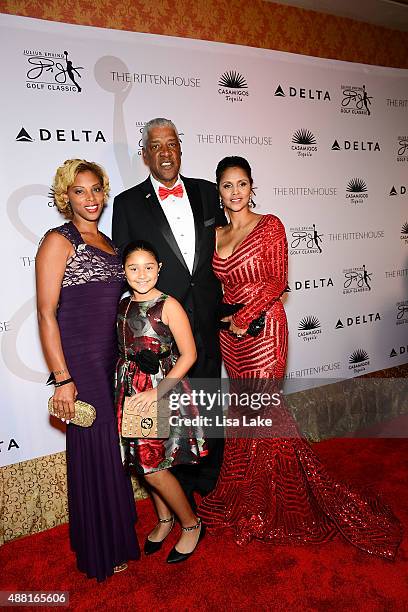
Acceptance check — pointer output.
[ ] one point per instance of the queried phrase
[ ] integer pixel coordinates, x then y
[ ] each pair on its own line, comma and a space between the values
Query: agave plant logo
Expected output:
308, 323
404, 232
233, 86
309, 328
356, 185
233, 80
358, 357
356, 191
303, 137
304, 143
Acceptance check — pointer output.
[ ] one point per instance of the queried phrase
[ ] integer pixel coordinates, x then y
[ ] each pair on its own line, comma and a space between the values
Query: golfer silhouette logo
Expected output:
367, 277
71, 71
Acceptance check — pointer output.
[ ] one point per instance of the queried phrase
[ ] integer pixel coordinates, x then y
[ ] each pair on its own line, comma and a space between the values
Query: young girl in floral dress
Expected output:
156, 351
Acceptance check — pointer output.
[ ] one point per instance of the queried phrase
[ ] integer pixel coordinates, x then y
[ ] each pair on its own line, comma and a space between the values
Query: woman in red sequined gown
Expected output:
274, 488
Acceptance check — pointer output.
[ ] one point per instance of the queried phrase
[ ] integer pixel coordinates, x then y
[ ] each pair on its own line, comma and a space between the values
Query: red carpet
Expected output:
223, 576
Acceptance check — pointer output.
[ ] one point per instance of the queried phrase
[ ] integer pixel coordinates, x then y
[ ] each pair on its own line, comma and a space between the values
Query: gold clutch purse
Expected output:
153, 423
85, 413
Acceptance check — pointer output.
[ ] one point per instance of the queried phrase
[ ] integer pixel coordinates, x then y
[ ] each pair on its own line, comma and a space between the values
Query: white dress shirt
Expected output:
181, 220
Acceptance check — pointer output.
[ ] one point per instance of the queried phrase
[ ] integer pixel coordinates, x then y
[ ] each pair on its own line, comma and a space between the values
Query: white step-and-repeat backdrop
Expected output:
328, 144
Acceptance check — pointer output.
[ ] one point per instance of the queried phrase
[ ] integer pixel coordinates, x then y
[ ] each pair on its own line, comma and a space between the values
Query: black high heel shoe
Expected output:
152, 547
175, 556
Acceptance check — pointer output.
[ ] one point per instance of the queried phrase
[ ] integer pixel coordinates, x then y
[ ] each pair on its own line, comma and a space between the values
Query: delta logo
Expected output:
356, 145
61, 135
315, 95
397, 191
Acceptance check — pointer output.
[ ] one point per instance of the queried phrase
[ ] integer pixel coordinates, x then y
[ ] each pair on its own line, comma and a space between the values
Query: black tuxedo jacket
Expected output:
138, 215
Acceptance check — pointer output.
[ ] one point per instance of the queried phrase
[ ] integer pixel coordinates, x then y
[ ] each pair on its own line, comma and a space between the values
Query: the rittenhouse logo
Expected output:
355, 100
397, 102
302, 191
314, 95
402, 313
356, 145
5, 326
52, 71
398, 273
358, 320
356, 191
160, 80
233, 86
315, 371
27, 261
305, 240
356, 280
402, 149
404, 233
309, 328
64, 135
358, 361
400, 350
400, 190
235, 139
312, 283
365, 235
304, 143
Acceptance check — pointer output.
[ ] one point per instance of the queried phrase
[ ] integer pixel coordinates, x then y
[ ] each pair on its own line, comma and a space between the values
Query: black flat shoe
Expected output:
175, 556
152, 547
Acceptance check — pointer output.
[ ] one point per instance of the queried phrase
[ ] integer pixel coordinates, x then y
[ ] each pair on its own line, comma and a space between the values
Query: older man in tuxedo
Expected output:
178, 215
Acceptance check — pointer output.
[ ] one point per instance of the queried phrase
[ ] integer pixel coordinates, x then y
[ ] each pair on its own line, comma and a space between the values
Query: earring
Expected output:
221, 203
251, 203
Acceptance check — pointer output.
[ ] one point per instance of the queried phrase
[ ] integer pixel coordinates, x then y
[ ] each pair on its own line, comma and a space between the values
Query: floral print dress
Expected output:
142, 332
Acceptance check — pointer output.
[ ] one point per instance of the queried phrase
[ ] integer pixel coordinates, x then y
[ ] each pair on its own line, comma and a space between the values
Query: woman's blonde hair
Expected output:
65, 177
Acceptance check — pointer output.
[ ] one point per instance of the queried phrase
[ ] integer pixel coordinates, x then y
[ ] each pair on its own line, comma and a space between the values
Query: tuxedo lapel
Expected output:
153, 205
194, 196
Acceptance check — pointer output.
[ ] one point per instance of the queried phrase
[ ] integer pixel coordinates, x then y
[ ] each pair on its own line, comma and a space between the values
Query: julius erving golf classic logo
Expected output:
402, 149
355, 100
402, 312
233, 86
305, 240
54, 71
357, 280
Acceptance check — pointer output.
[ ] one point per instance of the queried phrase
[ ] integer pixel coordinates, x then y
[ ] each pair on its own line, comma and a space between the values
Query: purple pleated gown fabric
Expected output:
101, 504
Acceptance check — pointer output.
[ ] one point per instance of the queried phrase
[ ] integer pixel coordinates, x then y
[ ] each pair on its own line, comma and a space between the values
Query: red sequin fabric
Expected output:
275, 488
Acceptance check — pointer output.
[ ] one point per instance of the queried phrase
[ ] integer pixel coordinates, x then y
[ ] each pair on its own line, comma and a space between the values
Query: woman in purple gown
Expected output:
79, 283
